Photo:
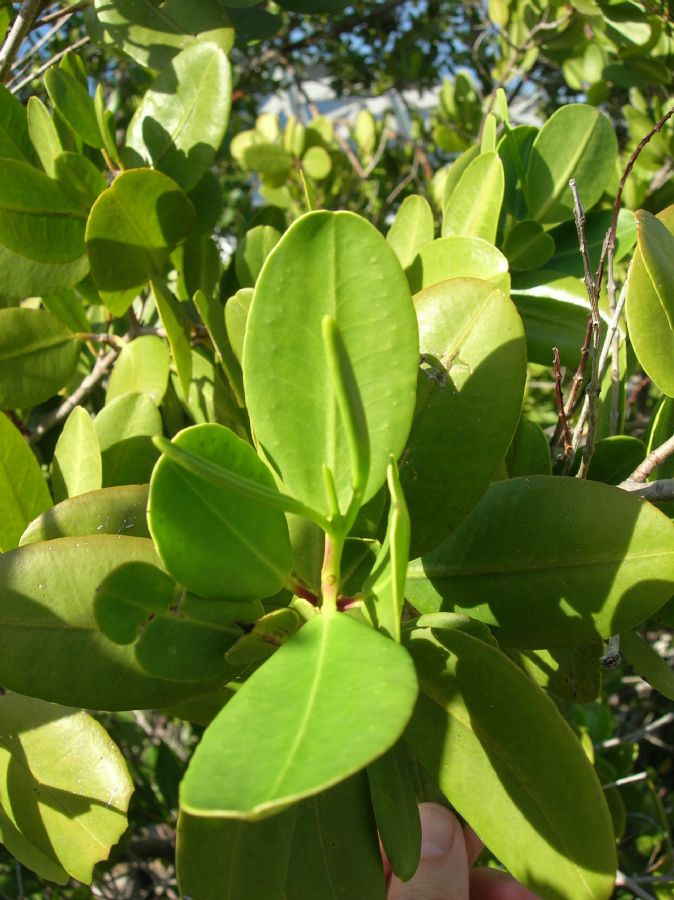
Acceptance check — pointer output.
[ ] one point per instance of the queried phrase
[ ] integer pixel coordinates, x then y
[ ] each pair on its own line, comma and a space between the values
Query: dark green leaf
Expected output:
71, 99
23, 490
648, 663
396, 810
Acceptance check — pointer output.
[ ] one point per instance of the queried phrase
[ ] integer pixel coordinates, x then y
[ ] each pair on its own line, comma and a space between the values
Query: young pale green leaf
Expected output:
236, 318
536, 562
469, 398
23, 490
650, 297
77, 467
335, 850
115, 510
125, 428
251, 253
230, 859
648, 663
458, 257
302, 722
577, 141
573, 674
133, 226
178, 328
482, 729
141, 368
223, 545
28, 854
396, 811
529, 452
265, 637
50, 644
411, 229
43, 134
106, 125
333, 264
454, 172
270, 160
528, 246
38, 355
71, 99
42, 791
181, 121
472, 209
14, 139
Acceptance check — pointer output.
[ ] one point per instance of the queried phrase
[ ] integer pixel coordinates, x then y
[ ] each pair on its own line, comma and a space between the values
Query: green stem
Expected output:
331, 572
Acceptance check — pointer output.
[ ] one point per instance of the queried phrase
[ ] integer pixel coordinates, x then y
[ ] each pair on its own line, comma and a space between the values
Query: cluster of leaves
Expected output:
277, 485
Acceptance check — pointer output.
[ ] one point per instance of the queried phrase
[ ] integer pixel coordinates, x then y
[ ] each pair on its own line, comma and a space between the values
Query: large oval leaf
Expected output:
181, 121
459, 257
472, 209
482, 729
24, 277
76, 467
38, 355
42, 791
468, 403
23, 490
217, 543
333, 264
50, 645
303, 722
535, 561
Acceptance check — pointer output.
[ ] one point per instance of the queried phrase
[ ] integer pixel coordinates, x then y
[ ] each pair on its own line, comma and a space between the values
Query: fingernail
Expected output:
438, 830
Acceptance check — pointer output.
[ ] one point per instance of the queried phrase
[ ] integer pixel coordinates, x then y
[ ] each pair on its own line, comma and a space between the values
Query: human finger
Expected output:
493, 884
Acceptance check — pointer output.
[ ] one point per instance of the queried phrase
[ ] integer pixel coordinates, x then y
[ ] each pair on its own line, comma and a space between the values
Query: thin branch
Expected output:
637, 735
70, 10
660, 491
562, 421
25, 19
22, 61
627, 779
623, 880
654, 459
15, 87
101, 367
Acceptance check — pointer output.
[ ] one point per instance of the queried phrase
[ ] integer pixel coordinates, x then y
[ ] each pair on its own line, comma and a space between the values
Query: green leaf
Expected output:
43, 134
141, 368
396, 810
114, 510
472, 209
77, 467
650, 297
302, 721
661, 428
458, 257
236, 318
335, 264
37, 218
469, 398
28, 854
482, 729
251, 253
106, 125
335, 851
47, 593
178, 328
14, 140
38, 355
68, 307
535, 562
213, 316
316, 163
200, 265
23, 490
648, 663
529, 452
181, 121
268, 159
528, 246
411, 229
228, 859
132, 228
615, 458
577, 141
568, 259
70, 98
573, 674
28, 278
125, 428
223, 545
79, 178
71, 805
265, 637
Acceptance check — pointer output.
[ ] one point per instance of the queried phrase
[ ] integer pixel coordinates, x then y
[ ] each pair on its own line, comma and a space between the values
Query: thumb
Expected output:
443, 869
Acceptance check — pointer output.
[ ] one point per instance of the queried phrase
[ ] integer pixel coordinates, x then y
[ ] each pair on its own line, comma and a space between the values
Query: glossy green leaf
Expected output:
23, 490
79, 178
482, 729
114, 510
77, 467
223, 545
571, 673
133, 226
648, 663
396, 811
469, 398
529, 452
181, 121
236, 318
650, 297
528, 246
615, 458
141, 368
38, 355
335, 851
335, 264
71, 805
230, 859
411, 229
535, 562
72, 100
472, 209
50, 644
213, 316
265, 637
14, 139
661, 428
454, 173
125, 428
27, 278
178, 329
251, 253
302, 721
514, 148
458, 257
577, 141
43, 134
37, 218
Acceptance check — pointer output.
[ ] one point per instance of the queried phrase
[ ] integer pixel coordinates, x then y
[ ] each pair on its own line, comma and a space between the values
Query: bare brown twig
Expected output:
654, 459
24, 21
562, 421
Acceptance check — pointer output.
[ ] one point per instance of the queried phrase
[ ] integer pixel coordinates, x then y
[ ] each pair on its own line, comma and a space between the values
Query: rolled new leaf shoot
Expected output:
223, 478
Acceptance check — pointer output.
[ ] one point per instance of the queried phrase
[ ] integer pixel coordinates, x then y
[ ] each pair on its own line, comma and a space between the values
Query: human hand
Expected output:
444, 873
